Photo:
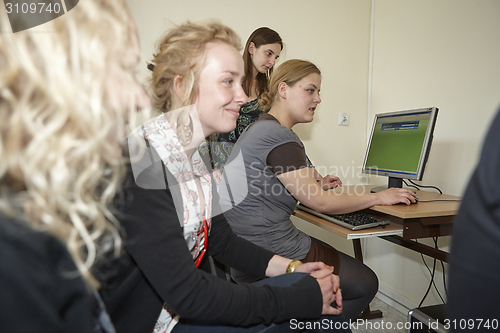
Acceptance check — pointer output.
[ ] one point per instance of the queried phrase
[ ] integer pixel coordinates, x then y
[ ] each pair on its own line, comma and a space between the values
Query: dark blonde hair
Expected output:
260, 36
181, 52
290, 72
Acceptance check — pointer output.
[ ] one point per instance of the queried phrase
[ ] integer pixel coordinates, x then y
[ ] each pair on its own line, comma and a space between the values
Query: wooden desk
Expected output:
427, 218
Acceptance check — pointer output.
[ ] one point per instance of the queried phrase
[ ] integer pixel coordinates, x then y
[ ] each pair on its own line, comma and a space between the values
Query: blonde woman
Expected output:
173, 222
276, 173
66, 93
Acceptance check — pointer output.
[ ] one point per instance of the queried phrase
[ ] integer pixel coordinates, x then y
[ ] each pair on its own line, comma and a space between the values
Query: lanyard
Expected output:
204, 229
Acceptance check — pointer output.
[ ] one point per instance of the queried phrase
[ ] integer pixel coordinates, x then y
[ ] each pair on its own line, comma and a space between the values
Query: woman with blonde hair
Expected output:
67, 90
174, 224
276, 173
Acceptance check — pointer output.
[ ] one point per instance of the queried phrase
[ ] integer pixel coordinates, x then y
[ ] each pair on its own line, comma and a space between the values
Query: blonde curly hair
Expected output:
62, 121
181, 52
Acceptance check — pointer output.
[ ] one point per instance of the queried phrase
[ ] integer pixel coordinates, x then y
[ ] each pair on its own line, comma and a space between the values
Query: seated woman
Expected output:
172, 220
65, 98
267, 174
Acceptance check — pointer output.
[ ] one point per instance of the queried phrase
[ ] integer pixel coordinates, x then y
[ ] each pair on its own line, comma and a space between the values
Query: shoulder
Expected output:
482, 190
27, 252
21, 241
251, 105
39, 276
490, 159
268, 129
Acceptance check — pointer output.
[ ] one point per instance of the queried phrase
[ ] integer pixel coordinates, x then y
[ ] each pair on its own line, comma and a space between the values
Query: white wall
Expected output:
440, 53
332, 34
435, 53
376, 56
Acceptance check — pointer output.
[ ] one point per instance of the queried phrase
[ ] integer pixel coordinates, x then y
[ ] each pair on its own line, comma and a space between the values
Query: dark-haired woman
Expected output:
261, 52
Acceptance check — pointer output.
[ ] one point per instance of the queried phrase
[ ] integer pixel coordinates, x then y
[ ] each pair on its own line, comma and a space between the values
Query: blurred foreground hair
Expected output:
62, 125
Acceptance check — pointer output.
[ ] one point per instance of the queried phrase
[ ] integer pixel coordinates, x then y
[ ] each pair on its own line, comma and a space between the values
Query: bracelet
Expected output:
291, 266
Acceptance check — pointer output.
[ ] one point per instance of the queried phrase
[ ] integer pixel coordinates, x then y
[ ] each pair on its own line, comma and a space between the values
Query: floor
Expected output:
392, 320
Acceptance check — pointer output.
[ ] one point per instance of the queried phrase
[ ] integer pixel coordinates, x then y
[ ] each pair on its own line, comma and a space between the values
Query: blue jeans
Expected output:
322, 324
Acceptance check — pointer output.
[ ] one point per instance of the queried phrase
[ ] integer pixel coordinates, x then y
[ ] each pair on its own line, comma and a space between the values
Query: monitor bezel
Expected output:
396, 176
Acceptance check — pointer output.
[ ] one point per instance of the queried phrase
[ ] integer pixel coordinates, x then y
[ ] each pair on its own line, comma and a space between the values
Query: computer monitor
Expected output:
399, 145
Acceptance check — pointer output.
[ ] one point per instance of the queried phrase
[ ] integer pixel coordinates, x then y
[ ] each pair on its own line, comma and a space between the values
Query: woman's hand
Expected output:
311, 267
328, 282
394, 195
329, 182
330, 289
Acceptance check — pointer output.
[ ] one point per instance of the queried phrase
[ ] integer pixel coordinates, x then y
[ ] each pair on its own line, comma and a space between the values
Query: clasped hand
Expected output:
329, 284
329, 182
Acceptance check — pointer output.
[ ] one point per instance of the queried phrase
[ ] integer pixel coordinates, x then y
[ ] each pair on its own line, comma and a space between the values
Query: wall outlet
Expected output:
343, 119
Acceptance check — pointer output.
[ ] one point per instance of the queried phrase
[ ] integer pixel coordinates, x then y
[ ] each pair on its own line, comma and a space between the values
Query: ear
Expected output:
282, 89
179, 88
251, 48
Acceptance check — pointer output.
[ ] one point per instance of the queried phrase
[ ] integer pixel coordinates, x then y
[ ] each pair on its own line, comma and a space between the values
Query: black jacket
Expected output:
158, 267
40, 289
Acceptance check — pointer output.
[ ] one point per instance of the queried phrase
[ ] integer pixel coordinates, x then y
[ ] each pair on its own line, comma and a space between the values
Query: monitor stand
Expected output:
393, 182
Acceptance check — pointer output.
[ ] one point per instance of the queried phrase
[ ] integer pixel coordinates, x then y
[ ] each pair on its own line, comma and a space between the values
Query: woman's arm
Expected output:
303, 186
234, 251
247, 257
157, 245
302, 182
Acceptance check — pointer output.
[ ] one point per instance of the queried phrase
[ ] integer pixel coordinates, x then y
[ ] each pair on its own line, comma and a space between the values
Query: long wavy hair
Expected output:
181, 52
290, 72
62, 121
259, 37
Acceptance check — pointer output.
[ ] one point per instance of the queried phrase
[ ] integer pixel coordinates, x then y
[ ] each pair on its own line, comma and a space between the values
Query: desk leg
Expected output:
367, 313
358, 253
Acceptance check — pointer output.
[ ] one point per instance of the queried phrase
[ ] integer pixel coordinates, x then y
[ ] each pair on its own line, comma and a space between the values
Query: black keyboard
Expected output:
352, 221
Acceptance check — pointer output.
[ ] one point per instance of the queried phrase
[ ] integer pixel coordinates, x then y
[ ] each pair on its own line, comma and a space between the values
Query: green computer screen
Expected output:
397, 142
